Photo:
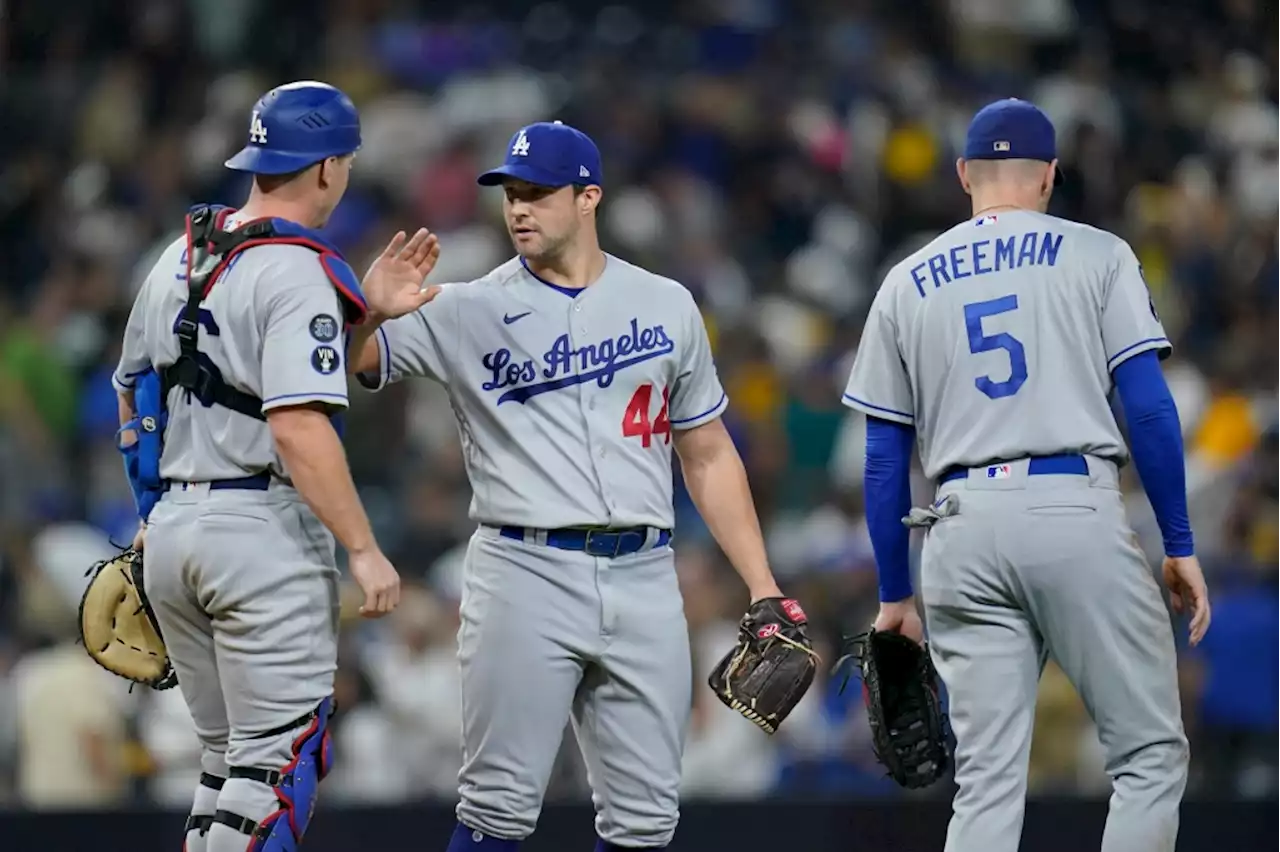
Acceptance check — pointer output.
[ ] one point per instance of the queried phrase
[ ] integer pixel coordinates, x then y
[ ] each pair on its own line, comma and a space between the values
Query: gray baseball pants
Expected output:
245, 588
1032, 567
549, 636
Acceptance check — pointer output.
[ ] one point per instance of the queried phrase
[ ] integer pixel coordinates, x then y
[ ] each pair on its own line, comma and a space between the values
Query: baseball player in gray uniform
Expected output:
232, 366
993, 351
573, 375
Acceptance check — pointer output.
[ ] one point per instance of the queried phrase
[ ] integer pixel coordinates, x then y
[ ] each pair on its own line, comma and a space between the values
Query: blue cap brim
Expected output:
521, 172
260, 161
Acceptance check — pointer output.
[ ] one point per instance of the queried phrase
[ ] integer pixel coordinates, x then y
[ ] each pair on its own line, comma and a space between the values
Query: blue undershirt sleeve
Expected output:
1155, 442
887, 489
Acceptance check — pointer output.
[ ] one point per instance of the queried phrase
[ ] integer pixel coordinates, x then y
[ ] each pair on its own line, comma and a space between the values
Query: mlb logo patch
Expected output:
999, 471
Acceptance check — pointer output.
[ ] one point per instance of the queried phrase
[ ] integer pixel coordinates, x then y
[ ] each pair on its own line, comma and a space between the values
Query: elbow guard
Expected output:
142, 458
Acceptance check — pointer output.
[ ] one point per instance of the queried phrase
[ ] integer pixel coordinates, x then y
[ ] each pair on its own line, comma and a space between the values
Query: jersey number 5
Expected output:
635, 421
980, 342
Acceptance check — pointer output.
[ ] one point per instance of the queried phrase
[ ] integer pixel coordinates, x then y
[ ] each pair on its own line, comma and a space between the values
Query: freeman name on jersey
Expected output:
567, 366
980, 257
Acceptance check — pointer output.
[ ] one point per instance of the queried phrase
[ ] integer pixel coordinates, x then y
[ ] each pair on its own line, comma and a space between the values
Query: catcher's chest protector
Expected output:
210, 252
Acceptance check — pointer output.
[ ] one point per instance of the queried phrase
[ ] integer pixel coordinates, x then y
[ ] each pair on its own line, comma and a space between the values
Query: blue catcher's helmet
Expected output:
296, 125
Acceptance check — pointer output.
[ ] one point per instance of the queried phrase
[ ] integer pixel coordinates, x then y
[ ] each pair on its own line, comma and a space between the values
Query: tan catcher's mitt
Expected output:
118, 627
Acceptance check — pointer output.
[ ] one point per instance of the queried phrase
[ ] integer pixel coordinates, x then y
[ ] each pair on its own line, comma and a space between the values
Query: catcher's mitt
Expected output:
772, 665
909, 731
117, 626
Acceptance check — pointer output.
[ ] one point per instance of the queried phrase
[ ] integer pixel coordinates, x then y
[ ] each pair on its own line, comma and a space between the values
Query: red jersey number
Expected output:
636, 421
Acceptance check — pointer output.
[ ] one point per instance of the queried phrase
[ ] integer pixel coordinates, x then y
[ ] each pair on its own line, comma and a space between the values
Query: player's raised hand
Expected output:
394, 283
1187, 590
379, 581
901, 617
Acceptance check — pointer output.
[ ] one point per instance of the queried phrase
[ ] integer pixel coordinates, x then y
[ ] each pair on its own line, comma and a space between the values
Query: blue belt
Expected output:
601, 542
257, 482
1069, 463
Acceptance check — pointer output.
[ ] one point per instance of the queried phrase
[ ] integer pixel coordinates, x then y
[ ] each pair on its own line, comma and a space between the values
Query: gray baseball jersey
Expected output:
997, 340
565, 401
244, 583
272, 325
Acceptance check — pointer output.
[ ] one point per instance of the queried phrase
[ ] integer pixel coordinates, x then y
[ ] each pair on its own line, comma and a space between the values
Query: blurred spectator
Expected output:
70, 716
776, 159
1236, 666
415, 678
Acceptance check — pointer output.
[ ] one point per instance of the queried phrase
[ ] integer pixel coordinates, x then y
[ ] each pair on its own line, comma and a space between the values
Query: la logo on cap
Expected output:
257, 130
521, 147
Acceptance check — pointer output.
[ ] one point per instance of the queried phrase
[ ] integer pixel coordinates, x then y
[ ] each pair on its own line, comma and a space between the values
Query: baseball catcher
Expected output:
909, 731
118, 627
768, 671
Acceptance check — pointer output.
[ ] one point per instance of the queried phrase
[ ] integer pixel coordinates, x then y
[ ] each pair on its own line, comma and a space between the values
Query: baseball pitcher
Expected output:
232, 367
573, 375
994, 350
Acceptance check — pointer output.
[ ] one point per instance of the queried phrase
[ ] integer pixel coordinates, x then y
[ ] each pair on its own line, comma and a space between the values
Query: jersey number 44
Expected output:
636, 422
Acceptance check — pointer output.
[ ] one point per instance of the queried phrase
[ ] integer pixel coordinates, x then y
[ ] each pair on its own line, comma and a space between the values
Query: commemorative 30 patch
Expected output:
324, 360
324, 328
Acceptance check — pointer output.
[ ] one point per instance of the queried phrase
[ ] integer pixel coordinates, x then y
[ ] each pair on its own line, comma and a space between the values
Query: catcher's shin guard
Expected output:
295, 786
195, 838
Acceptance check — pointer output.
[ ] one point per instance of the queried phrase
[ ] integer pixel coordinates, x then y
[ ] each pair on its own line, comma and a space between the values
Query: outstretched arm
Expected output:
393, 286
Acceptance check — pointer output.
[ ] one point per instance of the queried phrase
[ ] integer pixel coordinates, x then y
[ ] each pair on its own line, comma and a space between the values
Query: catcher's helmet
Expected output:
295, 125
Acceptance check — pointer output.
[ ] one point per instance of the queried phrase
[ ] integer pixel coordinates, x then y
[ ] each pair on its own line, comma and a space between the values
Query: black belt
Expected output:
609, 543
257, 482
1065, 463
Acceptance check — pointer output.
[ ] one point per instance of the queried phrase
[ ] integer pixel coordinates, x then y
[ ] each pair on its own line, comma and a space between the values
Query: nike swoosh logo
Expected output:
508, 318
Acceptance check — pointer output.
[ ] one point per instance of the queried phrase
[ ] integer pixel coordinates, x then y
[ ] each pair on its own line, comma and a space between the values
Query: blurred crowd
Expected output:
775, 157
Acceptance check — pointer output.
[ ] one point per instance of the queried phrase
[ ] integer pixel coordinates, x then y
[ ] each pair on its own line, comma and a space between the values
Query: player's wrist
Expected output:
361, 548
767, 589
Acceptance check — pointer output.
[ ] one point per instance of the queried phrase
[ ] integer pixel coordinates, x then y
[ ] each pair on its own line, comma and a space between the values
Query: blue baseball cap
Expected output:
295, 125
549, 153
1012, 129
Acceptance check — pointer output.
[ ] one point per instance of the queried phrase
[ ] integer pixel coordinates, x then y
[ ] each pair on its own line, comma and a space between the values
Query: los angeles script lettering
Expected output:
564, 366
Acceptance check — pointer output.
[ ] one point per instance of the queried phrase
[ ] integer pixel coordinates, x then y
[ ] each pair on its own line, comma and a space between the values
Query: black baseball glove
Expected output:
117, 626
773, 664
909, 731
